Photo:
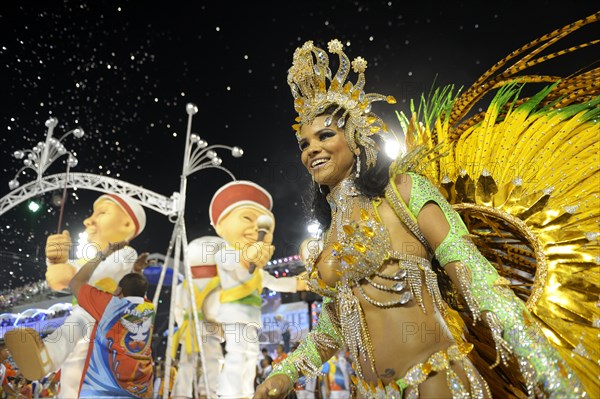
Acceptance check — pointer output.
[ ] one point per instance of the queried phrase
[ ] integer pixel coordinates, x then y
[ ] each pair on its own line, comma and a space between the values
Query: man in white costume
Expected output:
115, 218
201, 256
234, 212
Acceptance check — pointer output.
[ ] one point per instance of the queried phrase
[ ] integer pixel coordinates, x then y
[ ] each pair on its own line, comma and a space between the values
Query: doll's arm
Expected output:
59, 271
282, 284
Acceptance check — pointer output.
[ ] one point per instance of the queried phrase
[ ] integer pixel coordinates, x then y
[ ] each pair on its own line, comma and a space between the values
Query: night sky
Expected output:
124, 71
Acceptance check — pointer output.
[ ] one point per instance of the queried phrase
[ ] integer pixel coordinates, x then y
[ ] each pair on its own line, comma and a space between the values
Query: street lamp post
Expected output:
198, 155
40, 157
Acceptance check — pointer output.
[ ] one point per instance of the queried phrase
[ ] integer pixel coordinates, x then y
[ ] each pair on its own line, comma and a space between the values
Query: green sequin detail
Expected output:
306, 359
539, 361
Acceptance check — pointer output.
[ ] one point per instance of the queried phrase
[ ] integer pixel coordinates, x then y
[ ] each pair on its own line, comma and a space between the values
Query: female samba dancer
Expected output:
383, 226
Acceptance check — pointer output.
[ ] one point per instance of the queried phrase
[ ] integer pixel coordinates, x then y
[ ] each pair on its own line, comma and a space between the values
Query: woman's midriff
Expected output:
402, 336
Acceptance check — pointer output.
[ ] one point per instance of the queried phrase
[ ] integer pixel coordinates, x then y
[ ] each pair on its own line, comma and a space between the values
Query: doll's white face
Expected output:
239, 227
325, 153
108, 223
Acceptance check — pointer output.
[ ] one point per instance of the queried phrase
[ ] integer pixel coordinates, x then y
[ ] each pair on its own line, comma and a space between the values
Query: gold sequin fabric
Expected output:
523, 172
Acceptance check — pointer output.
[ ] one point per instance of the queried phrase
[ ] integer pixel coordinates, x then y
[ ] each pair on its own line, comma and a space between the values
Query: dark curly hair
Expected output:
134, 284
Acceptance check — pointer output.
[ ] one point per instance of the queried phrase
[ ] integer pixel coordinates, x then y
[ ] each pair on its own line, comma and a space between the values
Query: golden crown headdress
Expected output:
308, 78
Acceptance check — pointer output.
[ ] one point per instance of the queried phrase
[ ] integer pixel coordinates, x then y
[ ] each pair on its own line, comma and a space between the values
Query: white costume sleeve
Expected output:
115, 266
228, 259
232, 274
183, 303
283, 284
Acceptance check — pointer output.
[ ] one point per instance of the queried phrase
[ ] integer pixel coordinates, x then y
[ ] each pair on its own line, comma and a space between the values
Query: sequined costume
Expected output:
364, 246
519, 187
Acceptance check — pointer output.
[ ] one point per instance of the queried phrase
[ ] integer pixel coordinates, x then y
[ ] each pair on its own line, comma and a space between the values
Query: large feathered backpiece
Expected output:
523, 172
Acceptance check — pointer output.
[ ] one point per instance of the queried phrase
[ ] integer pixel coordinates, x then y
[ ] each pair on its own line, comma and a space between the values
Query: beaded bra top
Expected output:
362, 247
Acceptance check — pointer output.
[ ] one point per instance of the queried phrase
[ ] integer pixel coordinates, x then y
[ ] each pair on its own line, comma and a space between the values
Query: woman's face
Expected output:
325, 153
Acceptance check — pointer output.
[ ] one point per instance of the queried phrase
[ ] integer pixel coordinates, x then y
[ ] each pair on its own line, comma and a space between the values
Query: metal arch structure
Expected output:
167, 206
198, 155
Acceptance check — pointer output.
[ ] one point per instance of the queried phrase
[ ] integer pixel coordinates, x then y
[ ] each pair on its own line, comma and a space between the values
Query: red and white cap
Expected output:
238, 193
130, 207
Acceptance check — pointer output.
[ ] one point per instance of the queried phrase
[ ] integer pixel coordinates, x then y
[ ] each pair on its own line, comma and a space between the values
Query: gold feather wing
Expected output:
525, 176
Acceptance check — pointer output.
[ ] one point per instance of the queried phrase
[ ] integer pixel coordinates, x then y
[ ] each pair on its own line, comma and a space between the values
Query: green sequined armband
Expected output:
513, 328
286, 366
306, 359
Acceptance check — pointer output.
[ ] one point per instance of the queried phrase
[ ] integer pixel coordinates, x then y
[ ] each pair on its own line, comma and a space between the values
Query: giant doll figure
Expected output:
115, 218
234, 212
201, 255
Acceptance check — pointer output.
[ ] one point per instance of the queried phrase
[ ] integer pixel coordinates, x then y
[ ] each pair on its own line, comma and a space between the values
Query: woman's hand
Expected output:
275, 387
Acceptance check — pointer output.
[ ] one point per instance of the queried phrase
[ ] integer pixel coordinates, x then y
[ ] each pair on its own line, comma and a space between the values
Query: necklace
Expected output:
343, 199
363, 245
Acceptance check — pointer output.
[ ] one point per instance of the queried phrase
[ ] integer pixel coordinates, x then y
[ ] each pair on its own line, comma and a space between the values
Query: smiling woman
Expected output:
398, 260
325, 153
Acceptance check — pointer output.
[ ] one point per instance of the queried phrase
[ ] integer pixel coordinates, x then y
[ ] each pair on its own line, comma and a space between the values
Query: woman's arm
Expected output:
321, 344
487, 294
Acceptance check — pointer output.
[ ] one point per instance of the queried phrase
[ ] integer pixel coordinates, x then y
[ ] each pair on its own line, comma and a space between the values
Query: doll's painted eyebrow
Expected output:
247, 212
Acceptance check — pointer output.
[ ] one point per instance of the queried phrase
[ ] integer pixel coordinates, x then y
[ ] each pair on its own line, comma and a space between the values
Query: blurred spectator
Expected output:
6, 388
49, 385
285, 332
336, 380
264, 352
36, 389
26, 293
159, 381
305, 388
264, 369
24, 388
280, 354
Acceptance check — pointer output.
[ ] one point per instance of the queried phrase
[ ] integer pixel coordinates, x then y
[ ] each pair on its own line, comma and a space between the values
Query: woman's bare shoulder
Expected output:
403, 183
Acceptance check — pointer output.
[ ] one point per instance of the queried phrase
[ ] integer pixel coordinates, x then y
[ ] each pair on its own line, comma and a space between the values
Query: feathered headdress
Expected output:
308, 79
